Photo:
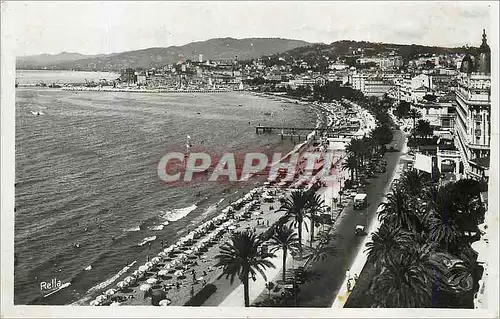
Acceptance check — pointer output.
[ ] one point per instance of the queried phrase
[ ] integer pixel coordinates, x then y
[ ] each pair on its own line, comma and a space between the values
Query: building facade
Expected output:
473, 112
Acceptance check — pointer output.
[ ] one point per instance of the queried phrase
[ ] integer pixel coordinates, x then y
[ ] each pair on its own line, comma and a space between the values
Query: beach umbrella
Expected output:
142, 268
188, 252
129, 279
165, 302
145, 287
152, 281
168, 249
178, 273
110, 292
115, 303
121, 284
101, 298
149, 264
94, 303
168, 266
156, 260
162, 254
232, 227
163, 272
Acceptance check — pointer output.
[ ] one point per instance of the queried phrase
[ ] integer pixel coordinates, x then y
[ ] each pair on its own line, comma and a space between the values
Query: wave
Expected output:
177, 214
146, 240
156, 227
132, 229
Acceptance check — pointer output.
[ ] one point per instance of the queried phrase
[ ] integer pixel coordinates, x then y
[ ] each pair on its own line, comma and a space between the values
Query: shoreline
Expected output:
138, 90
112, 281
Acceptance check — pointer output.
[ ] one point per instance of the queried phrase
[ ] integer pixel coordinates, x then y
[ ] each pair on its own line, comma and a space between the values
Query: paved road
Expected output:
345, 242
361, 257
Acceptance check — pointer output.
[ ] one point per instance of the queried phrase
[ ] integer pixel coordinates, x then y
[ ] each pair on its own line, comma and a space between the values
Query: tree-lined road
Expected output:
345, 242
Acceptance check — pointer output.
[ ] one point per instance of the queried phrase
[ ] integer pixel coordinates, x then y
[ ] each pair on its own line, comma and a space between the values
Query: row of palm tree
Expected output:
243, 255
422, 226
302, 205
360, 151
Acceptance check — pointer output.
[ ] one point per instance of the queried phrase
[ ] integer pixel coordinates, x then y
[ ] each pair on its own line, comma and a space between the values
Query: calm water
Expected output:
61, 77
86, 171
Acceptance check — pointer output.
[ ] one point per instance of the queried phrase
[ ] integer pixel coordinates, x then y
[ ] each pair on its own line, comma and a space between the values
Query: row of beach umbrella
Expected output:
182, 242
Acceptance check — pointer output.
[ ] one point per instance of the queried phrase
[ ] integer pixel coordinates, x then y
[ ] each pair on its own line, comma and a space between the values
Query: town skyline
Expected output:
114, 27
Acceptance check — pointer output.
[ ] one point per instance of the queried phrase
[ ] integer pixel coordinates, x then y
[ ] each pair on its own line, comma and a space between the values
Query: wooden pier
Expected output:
285, 130
295, 132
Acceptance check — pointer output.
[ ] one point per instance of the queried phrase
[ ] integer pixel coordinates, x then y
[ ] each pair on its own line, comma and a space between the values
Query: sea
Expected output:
87, 189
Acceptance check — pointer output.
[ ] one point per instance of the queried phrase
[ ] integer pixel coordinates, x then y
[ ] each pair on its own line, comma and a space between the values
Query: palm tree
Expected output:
314, 204
284, 238
414, 182
318, 253
443, 217
242, 256
295, 208
403, 283
356, 149
387, 242
370, 146
414, 114
444, 230
269, 287
397, 211
467, 200
350, 164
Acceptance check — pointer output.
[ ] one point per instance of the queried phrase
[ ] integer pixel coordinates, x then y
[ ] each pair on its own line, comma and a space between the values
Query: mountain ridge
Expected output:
216, 48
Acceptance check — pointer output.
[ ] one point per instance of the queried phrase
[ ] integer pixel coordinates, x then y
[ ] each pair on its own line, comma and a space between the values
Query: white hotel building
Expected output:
472, 124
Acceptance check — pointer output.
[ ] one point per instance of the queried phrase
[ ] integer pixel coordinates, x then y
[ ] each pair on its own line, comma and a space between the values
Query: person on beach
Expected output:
177, 285
149, 244
161, 243
192, 291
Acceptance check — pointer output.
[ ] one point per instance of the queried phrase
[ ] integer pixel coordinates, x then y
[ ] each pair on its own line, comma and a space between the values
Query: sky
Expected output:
96, 27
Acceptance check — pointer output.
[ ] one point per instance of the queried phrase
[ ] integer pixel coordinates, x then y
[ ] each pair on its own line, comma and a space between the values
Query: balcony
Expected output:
448, 153
474, 99
478, 146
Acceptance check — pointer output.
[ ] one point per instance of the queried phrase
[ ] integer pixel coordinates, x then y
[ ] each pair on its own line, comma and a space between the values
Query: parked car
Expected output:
360, 230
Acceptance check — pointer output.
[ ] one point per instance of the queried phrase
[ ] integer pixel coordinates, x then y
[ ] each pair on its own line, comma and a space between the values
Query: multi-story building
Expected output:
412, 89
370, 85
472, 125
439, 114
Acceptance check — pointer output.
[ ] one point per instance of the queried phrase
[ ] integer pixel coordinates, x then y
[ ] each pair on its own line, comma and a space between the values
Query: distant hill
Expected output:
34, 61
213, 49
350, 48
